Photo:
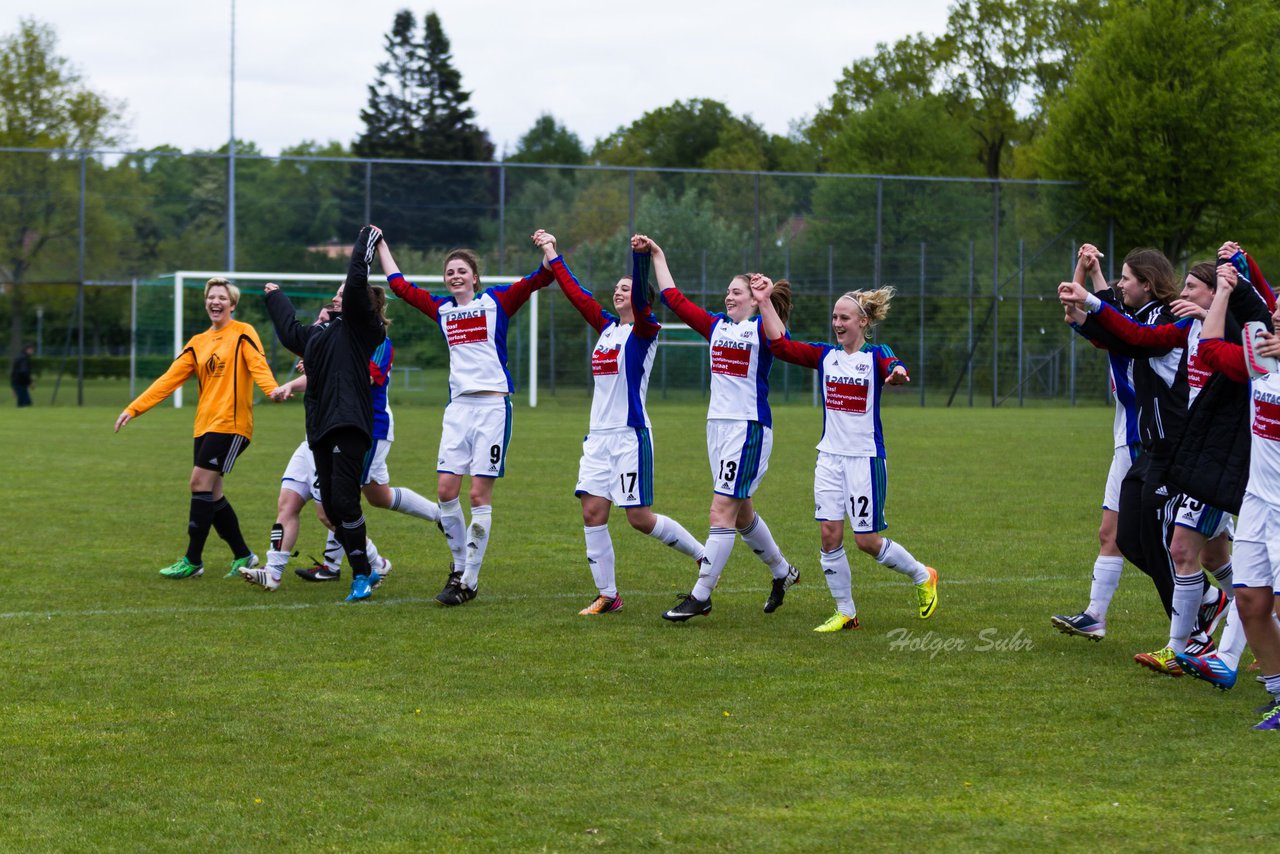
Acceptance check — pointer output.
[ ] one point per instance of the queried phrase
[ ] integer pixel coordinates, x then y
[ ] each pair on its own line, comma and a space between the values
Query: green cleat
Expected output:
927, 594
838, 623
1161, 661
240, 563
183, 568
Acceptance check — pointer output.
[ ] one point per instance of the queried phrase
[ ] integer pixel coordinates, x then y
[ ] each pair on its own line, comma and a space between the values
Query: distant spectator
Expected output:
20, 375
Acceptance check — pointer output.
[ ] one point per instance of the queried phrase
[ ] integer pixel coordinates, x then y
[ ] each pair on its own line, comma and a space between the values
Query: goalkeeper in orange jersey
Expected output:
226, 359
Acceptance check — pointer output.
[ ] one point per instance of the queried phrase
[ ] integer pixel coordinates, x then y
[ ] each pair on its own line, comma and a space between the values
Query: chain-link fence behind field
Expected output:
975, 263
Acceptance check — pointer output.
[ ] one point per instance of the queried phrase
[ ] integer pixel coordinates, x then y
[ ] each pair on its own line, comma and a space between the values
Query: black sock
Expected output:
228, 527
198, 526
352, 536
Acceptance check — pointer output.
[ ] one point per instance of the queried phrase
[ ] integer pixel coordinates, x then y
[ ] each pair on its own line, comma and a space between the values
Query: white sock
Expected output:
835, 566
1224, 575
719, 546
1106, 578
372, 551
760, 539
1233, 641
455, 532
672, 533
277, 561
600, 559
333, 552
1186, 607
477, 544
899, 559
404, 500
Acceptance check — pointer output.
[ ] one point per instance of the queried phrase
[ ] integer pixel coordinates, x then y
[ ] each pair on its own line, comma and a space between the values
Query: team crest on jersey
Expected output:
214, 366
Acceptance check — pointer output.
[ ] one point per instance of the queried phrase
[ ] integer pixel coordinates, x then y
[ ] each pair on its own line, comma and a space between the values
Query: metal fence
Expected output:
975, 262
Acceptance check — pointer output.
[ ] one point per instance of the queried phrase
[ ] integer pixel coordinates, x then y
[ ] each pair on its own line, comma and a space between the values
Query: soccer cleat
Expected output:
183, 568
319, 572
1161, 661
242, 563
927, 594
1210, 615
1081, 624
1210, 668
838, 622
264, 578
1270, 717
454, 593
1269, 705
688, 607
1200, 644
780, 588
362, 587
602, 605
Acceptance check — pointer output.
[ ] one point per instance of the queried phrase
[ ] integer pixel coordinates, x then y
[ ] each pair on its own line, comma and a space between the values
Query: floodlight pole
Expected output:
231, 153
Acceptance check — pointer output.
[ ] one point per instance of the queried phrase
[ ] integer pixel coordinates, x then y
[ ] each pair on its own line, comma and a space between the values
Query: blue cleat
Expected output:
1208, 667
362, 586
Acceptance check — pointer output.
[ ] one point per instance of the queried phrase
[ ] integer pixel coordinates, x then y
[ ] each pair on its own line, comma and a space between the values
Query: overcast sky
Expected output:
302, 68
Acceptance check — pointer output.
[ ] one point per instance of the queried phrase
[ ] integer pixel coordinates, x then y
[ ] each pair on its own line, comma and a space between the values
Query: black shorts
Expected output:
218, 451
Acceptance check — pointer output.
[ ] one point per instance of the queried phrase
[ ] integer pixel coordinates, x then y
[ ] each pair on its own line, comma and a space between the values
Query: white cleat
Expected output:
264, 578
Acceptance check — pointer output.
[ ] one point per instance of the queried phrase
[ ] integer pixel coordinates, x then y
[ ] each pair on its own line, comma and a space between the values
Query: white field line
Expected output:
385, 601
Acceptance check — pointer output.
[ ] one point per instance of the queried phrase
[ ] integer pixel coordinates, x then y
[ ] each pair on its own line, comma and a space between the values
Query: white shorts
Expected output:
375, 470
475, 435
1121, 461
739, 455
850, 486
1202, 518
617, 465
300, 474
1255, 559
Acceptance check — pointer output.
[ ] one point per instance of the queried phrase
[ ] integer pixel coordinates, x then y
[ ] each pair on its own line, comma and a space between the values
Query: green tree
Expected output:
417, 109
548, 141
1172, 122
44, 103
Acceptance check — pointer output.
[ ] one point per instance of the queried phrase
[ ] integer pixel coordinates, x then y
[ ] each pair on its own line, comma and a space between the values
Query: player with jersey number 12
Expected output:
850, 478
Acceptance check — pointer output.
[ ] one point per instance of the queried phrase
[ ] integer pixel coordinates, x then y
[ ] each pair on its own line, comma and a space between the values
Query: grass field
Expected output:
145, 714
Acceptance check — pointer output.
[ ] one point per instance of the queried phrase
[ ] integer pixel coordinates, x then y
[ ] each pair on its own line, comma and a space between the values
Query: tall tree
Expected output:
44, 103
418, 110
1173, 120
548, 141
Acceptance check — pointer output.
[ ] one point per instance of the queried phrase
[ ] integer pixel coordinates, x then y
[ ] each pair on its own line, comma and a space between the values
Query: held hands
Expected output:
1088, 257
898, 376
1229, 249
1072, 295
124, 419
546, 242
643, 244
270, 287
281, 393
761, 288
1227, 276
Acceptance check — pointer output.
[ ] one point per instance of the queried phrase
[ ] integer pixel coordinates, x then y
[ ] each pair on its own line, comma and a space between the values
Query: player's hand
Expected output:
299, 367
644, 243
270, 287
1268, 344
1186, 308
898, 376
546, 242
281, 393
1227, 277
124, 419
761, 288
1229, 249
1070, 292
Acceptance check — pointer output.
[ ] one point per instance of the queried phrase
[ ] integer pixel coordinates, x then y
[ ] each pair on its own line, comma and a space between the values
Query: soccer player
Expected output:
477, 420
339, 410
850, 478
226, 359
617, 454
1201, 531
1109, 565
739, 431
1257, 542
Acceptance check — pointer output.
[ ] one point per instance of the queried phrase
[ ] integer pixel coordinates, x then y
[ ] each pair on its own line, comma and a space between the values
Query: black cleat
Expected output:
319, 572
780, 588
688, 607
454, 593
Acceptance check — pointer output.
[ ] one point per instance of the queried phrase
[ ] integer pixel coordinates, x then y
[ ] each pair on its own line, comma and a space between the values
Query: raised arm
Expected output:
646, 324
770, 321
357, 305
404, 289
1216, 353
292, 334
513, 296
578, 296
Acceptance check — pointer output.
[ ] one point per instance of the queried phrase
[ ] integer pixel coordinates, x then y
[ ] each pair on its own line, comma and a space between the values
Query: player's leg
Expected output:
222, 450
866, 484
452, 461
1108, 565
345, 451
830, 502
490, 431
379, 493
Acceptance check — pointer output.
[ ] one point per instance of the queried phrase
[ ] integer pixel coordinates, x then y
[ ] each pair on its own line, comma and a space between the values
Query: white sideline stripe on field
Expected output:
418, 600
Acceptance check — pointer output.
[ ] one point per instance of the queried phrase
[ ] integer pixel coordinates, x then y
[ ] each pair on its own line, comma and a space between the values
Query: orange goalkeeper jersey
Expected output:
226, 363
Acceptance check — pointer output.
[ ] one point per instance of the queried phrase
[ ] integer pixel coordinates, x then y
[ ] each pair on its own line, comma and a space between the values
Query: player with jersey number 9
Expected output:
850, 478
739, 431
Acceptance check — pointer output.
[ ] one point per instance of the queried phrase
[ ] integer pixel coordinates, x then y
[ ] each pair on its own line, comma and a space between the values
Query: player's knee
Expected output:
1183, 554
868, 543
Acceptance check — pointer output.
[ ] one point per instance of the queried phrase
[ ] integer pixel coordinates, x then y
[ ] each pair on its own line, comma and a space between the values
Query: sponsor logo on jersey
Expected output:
847, 394
1197, 376
731, 357
604, 363
469, 329
1266, 417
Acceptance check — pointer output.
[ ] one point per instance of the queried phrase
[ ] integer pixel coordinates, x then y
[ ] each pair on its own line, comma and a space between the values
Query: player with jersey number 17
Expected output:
851, 476
477, 421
